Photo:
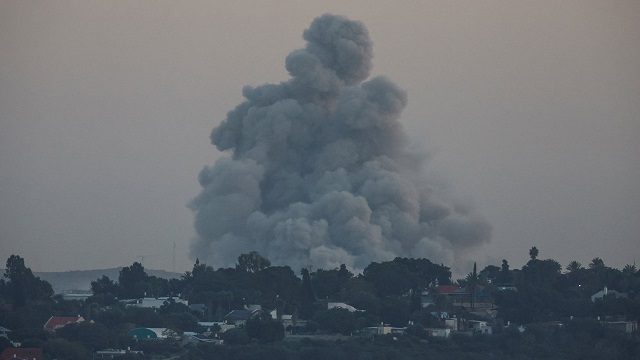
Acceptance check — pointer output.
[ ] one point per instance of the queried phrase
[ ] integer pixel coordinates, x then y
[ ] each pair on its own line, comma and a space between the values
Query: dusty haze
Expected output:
529, 111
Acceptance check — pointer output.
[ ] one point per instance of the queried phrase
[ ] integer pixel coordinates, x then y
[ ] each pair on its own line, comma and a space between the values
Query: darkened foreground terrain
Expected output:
400, 309
582, 340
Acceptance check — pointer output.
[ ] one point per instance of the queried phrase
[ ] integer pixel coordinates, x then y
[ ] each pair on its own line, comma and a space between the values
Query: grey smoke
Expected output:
320, 169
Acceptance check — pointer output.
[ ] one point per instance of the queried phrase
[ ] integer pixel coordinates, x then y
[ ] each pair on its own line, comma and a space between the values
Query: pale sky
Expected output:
531, 110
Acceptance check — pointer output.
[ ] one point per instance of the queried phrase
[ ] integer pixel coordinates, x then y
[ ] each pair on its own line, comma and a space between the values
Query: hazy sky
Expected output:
529, 109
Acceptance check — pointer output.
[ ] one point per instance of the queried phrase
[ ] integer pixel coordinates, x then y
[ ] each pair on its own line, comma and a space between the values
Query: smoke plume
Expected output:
320, 171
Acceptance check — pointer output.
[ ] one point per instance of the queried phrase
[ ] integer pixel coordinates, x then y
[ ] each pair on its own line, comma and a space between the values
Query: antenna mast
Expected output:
174, 257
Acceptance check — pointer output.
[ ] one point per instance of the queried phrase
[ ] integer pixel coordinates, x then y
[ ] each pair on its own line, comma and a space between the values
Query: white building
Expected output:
152, 302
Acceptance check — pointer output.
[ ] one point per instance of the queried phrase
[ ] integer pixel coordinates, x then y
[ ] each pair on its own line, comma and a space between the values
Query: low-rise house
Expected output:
288, 320
606, 292
624, 326
200, 309
197, 339
440, 314
76, 295
153, 303
506, 288
114, 353
461, 296
56, 322
22, 353
438, 332
451, 323
340, 305
427, 299
210, 325
456, 295
240, 317
479, 327
384, 329
4, 332
152, 334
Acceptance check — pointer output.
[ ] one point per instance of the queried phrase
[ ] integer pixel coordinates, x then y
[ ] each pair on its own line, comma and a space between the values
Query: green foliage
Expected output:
143, 317
389, 292
21, 286
237, 336
63, 349
336, 320
397, 277
252, 262
104, 285
94, 336
132, 282
110, 317
265, 329
388, 278
328, 283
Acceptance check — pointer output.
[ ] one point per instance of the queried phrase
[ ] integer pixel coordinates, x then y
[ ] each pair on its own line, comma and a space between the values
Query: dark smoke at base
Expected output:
320, 169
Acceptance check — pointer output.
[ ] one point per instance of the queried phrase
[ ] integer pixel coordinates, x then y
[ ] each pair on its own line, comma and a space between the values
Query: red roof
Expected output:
56, 322
21, 353
450, 289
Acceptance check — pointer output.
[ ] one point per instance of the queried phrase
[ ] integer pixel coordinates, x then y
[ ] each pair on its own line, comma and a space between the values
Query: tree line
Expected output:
386, 292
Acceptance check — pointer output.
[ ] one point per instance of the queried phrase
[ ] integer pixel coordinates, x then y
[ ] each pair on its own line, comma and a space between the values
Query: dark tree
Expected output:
252, 262
472, 284
574, 266
104, 285
388, 278
21, 285
265, 329
533, 253
132, 281
597, 264
504, 277
307, 295
490, 274
336, 320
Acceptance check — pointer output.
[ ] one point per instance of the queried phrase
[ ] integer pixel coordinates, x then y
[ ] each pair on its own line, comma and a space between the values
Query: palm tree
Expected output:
596, 264
533, 252
574, 266
629, 269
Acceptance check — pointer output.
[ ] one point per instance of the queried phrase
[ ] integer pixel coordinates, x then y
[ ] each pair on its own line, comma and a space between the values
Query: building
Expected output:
152, 334
22, 353
240, 317
461, 296
76, 295
438, 332
114, 353
606, 292
624, 326
56, 322
339, 305
210, 325
427, 299
4, 332
479, 327
152, 303
384, 329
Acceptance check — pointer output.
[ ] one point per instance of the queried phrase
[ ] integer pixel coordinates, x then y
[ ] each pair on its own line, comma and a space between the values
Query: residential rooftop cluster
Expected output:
209, 313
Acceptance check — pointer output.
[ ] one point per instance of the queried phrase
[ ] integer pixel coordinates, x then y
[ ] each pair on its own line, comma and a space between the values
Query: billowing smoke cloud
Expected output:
320, 169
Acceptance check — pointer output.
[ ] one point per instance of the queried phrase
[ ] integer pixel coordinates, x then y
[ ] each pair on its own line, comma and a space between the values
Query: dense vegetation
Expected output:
388, 292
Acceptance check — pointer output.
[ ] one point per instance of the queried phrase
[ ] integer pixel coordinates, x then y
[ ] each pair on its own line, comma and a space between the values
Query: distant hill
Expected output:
81, 279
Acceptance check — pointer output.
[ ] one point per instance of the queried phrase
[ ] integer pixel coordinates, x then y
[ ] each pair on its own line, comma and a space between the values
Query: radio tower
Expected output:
174, 257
